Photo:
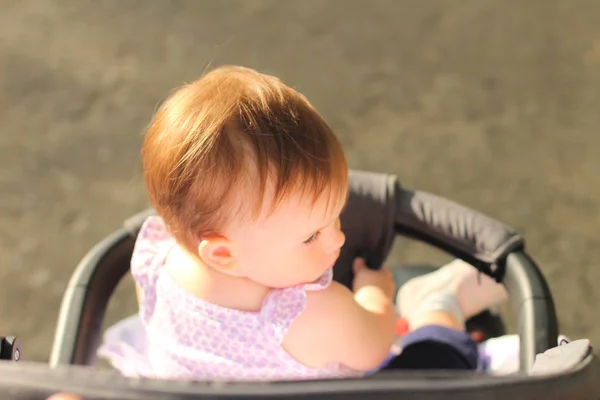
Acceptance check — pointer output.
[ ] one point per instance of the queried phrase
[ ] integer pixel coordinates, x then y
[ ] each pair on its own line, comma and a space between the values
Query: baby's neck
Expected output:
201, 281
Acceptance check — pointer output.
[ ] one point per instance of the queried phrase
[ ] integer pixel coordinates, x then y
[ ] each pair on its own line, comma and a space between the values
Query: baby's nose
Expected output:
339, 240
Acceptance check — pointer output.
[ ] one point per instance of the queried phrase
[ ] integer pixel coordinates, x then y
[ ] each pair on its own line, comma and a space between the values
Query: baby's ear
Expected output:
217, 253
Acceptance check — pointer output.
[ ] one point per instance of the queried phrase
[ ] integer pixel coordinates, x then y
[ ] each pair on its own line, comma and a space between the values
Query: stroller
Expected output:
378, 209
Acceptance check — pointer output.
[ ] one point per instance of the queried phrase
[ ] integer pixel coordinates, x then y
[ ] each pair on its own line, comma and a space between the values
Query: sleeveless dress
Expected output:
179, 336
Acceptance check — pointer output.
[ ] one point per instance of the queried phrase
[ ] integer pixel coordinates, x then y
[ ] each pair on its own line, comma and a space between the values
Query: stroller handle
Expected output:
468, 234
533, 305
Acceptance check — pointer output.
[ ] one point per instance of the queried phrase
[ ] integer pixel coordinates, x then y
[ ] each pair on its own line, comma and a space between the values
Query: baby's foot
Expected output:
437, 308
475, 292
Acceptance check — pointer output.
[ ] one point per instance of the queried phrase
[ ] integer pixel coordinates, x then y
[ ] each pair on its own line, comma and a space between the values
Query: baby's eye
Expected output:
312, 238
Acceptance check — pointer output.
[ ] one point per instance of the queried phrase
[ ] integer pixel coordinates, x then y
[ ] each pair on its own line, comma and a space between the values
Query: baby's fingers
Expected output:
358, 264
385, 270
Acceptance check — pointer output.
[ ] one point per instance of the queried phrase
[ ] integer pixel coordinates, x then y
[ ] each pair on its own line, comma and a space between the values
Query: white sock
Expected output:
442, 301
475, 292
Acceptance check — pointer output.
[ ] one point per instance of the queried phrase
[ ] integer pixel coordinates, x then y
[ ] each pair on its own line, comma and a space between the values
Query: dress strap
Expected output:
151, 247
283, 306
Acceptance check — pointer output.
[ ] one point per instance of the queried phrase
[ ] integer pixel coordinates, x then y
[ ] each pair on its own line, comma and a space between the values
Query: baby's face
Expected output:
296, 244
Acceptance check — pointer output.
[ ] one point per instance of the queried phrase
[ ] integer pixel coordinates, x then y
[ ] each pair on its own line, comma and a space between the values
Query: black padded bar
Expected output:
534, 307
86, 297
367, 221
458, 230
36, 381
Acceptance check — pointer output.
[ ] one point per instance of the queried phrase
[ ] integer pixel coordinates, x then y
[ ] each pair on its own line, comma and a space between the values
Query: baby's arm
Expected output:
356, 330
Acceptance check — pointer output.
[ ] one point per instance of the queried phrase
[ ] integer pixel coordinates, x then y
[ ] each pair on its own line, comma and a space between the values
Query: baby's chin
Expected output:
313, 279
304, 280
323, 272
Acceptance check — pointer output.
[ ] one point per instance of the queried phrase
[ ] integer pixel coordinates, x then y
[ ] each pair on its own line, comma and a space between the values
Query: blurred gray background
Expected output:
494, 104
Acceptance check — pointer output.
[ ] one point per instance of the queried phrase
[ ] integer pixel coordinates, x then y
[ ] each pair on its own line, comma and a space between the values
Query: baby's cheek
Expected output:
318, 258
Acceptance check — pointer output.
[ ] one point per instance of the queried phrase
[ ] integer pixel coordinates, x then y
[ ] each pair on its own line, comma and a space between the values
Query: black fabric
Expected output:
436, 347
463, 232
429, 356
367, 222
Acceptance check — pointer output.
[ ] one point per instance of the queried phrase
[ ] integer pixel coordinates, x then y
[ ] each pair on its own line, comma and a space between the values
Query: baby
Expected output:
234, 275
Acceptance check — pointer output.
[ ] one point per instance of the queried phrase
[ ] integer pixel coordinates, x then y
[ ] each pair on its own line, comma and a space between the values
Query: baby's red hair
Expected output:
215, 145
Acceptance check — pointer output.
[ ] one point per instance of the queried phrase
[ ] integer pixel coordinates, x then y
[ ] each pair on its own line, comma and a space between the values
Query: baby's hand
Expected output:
382, 278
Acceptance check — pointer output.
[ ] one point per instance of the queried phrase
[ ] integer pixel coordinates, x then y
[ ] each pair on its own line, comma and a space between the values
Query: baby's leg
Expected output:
436, 306
475, 292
